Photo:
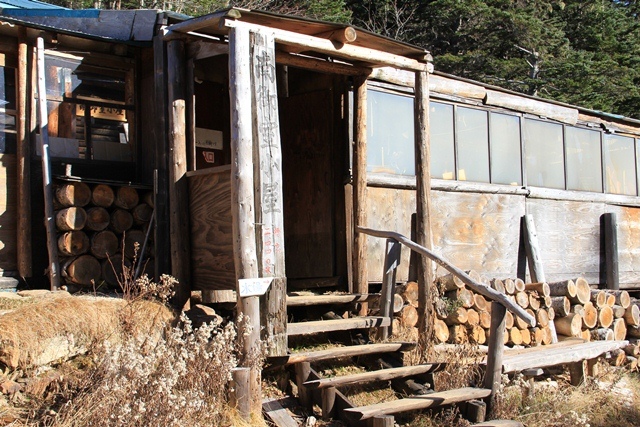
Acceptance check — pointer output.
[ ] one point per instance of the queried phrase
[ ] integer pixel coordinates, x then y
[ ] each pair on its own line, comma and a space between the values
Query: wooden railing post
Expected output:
391, 261
493, 374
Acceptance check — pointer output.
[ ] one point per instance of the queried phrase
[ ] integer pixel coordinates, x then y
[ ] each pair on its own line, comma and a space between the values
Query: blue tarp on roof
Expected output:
28, 4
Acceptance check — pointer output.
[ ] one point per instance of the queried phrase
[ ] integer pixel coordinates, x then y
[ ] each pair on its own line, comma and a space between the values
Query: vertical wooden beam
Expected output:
191, 116
391, 261
178, 188
578, 372
360, 276
23, 159
532, 248
611, 250
242, 196
268, 192
240, 396
383, 421
493, 374
303, 372
423, 197
50, 225
161, 174
328, 403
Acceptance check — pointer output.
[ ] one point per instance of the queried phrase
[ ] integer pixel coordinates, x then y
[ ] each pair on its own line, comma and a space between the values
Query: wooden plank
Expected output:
273, 410
211, 237
391, 261
437, 84
416, 402
495, 353
305, 300
532, 248
500, 423
23, 160
342, 352
268, 192
359, 172
528, 105
178, 186
52, 247
424, 235
610, 231
316, 326
379, 375
320, 65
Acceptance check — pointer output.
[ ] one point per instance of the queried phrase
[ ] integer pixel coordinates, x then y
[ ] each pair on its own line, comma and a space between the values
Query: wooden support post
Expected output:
178, 187
23, 159
360, 276
423, 197
161, 174
532, 248
242, 201
50, 225
493, 374
391, 261
328, 403
592, 367
191, 116
267, 153
475, 411
578, 372
240, 395
303, 372
610, 226
383, 421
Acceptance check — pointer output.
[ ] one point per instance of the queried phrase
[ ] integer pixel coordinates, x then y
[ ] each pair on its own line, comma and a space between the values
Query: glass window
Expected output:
544, 154
506, 163
390, 141
584, 160
441, 135
620, 172
7, 110
473, 144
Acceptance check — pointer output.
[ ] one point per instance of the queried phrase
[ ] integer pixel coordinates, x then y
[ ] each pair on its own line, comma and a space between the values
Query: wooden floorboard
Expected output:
379, 375
317, 326
342, 352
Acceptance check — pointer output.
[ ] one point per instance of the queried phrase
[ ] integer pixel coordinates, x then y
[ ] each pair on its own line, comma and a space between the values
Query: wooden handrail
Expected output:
476, 286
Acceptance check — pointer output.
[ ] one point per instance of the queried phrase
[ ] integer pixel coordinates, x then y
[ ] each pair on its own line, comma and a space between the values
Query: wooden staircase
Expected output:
328, 393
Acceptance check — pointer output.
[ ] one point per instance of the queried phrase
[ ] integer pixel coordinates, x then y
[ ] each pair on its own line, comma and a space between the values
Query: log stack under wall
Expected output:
99, 227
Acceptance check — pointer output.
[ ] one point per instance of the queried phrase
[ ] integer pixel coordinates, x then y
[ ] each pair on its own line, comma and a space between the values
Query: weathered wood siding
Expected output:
8, 261
628, 245
211, 239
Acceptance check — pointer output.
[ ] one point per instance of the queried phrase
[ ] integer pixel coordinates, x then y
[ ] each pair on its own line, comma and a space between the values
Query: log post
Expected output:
242, 197
423, 197
23, 159
178, 189
532, 249
267, 156
328, 402
240, 397
360, 275
383, 421
52, 244
303, 371
611, 250
391, 261
493, 374
578, 372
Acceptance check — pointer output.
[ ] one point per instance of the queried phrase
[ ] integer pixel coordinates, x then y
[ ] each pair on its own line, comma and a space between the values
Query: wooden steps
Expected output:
415, 403
379, 375
306, 300
342, 352
317, 326
499, 423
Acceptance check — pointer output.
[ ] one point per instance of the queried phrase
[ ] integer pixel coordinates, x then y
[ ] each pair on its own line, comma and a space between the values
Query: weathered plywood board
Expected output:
472, 231
211, 238
569, 238
8, 227
628, 219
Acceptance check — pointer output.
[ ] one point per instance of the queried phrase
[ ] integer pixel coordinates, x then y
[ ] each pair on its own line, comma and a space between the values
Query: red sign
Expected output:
209, 156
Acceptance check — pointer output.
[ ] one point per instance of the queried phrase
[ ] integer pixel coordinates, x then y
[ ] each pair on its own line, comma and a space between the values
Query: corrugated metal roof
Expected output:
27, 4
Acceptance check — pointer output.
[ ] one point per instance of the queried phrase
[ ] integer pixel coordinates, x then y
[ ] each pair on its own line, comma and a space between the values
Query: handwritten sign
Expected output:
254, 287
209, 138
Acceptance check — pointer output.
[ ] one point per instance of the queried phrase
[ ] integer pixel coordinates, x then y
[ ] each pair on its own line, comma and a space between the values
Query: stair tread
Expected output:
378, 375
304, 300
499, 423
316, 326
341, 352
416, 402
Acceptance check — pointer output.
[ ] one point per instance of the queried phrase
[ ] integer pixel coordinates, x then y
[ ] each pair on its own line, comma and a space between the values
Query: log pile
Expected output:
563, 309
97, 230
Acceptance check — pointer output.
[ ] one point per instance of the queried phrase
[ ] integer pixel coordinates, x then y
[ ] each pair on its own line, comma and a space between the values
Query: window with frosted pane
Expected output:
544, 154
620, 165
441, 135
390, 142
584, 160
472, 130
506, 163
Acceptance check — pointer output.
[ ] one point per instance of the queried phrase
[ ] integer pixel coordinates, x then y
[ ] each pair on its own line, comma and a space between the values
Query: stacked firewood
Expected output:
564, 309
98, 231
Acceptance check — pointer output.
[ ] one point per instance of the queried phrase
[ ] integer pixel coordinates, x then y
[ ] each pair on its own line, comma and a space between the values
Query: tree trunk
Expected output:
561, 289
542, 288
570, 325
561, 305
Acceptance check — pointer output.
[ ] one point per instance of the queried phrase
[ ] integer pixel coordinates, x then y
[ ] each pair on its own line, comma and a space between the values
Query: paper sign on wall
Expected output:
254, 287
209, 138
